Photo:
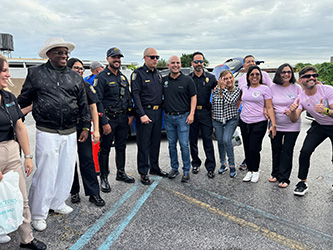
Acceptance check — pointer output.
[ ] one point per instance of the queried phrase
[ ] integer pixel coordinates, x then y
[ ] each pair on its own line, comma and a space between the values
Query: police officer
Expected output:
204, 82
146, 86
112, 88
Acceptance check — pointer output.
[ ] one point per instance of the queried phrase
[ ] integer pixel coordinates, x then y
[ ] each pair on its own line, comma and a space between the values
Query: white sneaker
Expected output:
4, 238
39, 225
255, 177
248, 176
65, 210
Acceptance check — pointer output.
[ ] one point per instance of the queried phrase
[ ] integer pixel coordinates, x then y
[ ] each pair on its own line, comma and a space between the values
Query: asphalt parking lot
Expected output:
219, 213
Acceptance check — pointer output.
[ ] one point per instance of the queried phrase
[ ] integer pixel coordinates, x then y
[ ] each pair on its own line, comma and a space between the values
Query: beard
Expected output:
198, 68
113, 66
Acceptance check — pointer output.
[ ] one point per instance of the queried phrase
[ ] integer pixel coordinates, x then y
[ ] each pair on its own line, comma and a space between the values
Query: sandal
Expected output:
272, 179
283, 184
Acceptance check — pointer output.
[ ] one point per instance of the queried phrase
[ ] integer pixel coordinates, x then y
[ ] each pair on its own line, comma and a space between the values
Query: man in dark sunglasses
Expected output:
317, 99
204, 82
115, 105
146, 86
59, 99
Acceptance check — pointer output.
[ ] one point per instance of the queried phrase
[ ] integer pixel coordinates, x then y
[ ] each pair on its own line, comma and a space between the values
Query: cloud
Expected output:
274, 31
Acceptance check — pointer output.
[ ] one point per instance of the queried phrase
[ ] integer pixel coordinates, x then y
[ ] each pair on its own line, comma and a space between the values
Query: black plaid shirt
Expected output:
225, 106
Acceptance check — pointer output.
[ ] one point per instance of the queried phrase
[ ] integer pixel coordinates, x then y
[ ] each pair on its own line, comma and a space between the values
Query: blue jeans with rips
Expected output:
224, 133
178, 129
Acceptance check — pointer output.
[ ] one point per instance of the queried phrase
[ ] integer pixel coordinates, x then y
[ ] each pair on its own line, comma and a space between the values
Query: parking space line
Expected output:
122, 225
280, 239
86, 237
280, 220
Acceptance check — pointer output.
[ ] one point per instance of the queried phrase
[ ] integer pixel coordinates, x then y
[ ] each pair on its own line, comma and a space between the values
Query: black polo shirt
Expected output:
204, 84
108, 88
177, 93
9, 111
146, 88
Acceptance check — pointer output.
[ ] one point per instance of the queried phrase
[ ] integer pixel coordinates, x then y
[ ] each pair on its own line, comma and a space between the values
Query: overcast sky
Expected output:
274, 31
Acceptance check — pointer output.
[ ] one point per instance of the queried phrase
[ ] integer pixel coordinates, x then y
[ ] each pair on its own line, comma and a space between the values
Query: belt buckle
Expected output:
155, 107
199, 107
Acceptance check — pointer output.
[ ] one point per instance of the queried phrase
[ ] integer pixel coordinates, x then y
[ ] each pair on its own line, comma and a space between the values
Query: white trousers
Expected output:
52, 181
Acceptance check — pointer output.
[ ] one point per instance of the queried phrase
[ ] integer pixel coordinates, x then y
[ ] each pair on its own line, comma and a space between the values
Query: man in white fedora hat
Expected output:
59, 100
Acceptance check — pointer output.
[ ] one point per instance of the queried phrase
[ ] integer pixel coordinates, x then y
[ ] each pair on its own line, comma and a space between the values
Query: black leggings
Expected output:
315, 135
252, 135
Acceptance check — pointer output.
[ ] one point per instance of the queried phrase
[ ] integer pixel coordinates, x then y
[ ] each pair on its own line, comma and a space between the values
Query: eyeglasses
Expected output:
285, 72
309, 75
60, 53
254, 74
154, 57
198, 61
78, 68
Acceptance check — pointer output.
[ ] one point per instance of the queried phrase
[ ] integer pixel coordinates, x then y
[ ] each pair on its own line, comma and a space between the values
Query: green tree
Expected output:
132, 67
186, 60
300, 65
162, 63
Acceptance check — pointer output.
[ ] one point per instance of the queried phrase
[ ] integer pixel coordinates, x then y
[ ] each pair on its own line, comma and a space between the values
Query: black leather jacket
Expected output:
59, 98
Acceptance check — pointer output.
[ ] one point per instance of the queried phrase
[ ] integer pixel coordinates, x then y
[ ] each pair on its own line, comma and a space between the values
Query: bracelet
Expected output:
28, 156
327, 111
274, 125
85, 129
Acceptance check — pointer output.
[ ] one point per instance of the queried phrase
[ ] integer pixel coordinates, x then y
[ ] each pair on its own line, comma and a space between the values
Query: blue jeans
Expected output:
224, 134
177, 128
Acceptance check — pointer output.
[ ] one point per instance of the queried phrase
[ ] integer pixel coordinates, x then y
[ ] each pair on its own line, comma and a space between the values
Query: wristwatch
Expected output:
28, 156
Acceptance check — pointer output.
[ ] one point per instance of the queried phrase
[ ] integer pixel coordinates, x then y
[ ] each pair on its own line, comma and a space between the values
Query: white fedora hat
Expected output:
55, 42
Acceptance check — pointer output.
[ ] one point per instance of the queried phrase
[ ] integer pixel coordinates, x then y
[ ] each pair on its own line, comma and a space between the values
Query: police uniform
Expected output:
84, 149
146, 87
114, 95
203, 121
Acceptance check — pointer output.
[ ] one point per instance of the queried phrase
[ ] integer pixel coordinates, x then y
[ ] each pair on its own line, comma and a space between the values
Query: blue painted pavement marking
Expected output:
120, 228
86, 237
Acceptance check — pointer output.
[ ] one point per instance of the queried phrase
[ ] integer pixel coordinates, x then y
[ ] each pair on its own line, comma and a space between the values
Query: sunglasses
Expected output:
60, 53
154, 57
254, 74
309, 75
78, 68
198, 61
285, 72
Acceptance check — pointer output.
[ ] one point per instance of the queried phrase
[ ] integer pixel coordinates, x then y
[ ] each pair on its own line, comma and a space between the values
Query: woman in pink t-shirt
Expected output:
284, 93
253, 122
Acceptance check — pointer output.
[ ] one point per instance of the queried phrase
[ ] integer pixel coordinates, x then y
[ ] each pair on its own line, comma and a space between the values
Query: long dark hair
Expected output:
249, 72
277, 78
73, 60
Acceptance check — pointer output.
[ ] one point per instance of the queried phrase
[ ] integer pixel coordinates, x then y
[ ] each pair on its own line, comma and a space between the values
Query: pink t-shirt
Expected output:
253, 103
308, 103
283, 97
265, 80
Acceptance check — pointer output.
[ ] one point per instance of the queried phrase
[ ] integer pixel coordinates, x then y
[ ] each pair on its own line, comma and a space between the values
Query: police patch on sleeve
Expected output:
133, 76
92, 89
123, 78
95, 82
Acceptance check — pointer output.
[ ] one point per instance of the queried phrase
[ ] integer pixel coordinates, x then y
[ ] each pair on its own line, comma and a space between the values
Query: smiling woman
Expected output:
253, 122
12, 128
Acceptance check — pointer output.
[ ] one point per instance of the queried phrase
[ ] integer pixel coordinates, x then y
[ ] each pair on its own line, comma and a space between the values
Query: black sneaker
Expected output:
195, 169
301, 188
173, 173
186, 177
75, 198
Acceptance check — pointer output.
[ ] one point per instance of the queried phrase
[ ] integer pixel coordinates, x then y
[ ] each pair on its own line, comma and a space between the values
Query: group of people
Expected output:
63, 105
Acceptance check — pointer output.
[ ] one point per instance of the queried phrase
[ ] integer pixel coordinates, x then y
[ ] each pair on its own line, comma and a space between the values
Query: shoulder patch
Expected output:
92, 89
133, 76
95, 82
122, 77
